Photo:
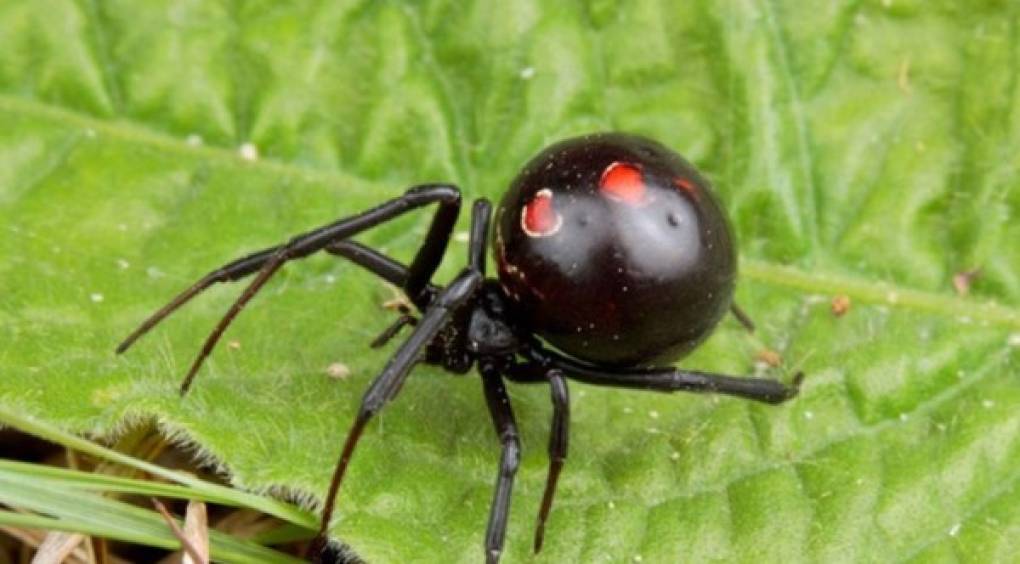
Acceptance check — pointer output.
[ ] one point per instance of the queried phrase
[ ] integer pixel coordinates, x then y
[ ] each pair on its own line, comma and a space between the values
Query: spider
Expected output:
615, 260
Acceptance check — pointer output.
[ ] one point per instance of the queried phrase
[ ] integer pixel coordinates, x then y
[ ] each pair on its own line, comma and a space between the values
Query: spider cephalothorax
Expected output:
610, 247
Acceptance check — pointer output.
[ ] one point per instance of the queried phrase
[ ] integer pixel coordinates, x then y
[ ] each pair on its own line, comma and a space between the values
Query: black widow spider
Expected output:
610, 247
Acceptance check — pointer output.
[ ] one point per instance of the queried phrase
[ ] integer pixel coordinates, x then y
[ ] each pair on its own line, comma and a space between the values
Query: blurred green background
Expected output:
867, 149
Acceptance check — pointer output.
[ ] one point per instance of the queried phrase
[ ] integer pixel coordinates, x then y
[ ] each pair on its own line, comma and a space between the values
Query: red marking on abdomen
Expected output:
538, 218
686, 185
623, 182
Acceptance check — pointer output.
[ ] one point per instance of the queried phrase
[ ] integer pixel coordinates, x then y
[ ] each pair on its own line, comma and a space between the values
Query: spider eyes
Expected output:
538, 218
624, 183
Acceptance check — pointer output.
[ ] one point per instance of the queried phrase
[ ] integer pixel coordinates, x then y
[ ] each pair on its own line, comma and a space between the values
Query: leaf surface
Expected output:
863, 148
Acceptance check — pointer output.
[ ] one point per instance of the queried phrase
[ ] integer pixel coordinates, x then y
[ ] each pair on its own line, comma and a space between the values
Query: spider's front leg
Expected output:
384, 388
268, 261
386, 385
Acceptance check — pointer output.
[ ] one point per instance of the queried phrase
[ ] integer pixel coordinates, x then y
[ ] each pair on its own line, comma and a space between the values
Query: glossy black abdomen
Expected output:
615, 250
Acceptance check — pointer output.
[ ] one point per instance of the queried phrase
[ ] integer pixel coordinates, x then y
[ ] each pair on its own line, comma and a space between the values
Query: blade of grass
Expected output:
80, 480
77, 511
207, 490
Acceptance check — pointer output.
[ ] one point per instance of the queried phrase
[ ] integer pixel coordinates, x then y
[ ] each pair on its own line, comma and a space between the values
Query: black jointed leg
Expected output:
742, 317
386, 385
559, 436
230, 272
672, 379
303, 245
381, 265
506, 430
481, 213
430, 254
371, 260
376, 263
388, 333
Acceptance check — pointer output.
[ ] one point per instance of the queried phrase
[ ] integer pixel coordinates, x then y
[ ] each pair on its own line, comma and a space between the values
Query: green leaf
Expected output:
863, 148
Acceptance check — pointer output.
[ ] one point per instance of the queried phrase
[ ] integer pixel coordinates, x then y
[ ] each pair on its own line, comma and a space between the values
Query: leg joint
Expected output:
442, 193
511, 455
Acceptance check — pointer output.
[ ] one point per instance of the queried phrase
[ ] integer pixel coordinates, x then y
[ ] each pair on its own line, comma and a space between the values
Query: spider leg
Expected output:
668, 379
386, 385
481, 214
227, 273
373, 261
391, 331
534, 372
558, 437
506, 429
447, 197
742, 317
396, 273
357, 253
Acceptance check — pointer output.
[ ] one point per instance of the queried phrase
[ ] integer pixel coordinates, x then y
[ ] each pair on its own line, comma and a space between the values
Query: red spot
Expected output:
623, 182
686, 185
539, 219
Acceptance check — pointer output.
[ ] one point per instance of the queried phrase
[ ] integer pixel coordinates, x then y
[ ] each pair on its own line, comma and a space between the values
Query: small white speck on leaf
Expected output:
612, 504
653, 414
90, 133
194, 140
955, 529
674, 456
330, 279
628, 410
892, 297
123, 264
527, 73
904, 417
1014, 340
248, 151
462, 237
96, 297
809, 415
234, 345
338, 371
153, 272
987, 404
637, 558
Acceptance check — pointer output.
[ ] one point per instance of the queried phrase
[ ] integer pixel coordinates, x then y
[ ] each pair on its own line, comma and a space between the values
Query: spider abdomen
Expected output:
614, 249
